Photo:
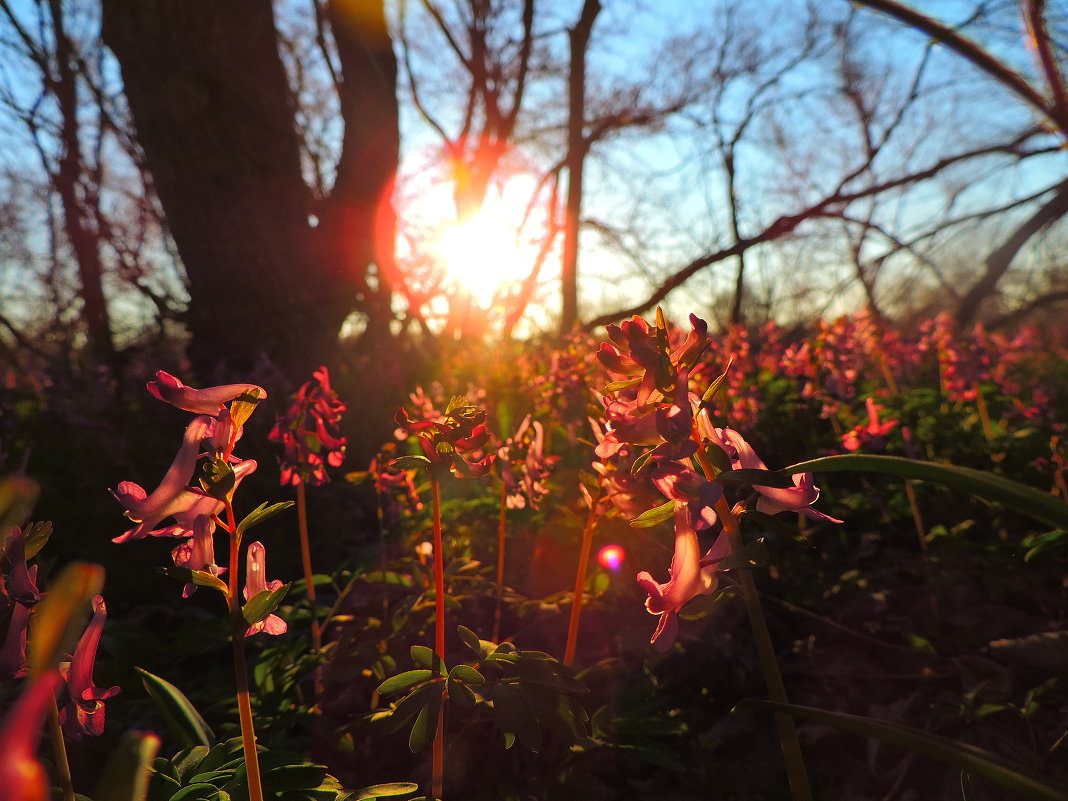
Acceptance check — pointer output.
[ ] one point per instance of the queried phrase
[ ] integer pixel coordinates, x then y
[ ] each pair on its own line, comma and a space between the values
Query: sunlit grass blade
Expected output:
977, 762
1034, 503
178, 712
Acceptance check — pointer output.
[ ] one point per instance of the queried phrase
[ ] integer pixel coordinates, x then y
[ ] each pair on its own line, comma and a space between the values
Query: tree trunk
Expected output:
215, 119
577, 147
83, 238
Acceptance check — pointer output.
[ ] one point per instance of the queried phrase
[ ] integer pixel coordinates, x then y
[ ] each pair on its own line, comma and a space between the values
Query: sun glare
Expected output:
487, 252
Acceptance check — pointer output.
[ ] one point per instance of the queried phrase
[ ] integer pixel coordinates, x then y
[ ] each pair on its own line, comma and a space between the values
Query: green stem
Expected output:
437, 776
59, 753
796, 773
238, 627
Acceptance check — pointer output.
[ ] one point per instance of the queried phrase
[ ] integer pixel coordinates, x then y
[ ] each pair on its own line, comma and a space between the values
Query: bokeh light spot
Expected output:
611, 557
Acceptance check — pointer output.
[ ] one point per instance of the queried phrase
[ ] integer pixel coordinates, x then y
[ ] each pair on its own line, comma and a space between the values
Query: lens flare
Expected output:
611, 557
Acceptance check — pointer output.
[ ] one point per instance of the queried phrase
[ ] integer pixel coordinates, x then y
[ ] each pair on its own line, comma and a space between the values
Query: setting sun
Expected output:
487, 252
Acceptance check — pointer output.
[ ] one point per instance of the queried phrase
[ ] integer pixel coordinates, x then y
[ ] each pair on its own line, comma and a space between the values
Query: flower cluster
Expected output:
683, 455
454, 442
524, 466
309, 433
200, 485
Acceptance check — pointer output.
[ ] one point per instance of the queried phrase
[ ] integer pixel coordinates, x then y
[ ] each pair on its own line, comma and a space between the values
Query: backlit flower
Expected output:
84, 714
199, 401
255, 583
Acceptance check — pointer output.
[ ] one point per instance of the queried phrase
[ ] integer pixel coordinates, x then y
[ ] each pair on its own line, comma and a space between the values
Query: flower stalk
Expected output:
305, 559
437, 775
238, 627
580, 584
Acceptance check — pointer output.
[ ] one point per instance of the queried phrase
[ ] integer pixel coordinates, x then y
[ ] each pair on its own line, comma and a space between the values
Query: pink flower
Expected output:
872, 433
690, 576
200, 401
773, 499
255, 583
84, 714
22, 776
198, 553
148, 510
193, 504
309, 433
524, 466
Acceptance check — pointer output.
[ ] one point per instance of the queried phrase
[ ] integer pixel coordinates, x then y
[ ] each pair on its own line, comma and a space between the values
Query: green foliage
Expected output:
218, 774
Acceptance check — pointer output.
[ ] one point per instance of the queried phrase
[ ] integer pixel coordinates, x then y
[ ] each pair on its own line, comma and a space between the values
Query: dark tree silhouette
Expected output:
273, 270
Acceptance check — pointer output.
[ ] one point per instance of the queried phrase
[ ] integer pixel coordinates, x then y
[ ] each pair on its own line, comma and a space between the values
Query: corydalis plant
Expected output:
197, 494
309, 433
310, 436
693, 464
454, 443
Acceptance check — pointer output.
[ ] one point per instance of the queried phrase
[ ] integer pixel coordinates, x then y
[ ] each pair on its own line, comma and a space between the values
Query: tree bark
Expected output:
577, 148
215, 118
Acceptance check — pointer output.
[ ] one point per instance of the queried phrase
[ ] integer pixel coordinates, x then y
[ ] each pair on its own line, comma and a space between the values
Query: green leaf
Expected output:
56, 621
717, 457
715, 386
771, 523
408, 463
1028, 501
467, 674
756, 478
976, 761
262, 604
615, 386
426, 658
303, 776
202, 578
128, 769
513, 715
261, 513
641, 462
476, 646
426, 725
202, 791
181, 717
754, 554
242, 407
654, 516
217, 478
404, 681
36, 537
388, 790
460, 694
